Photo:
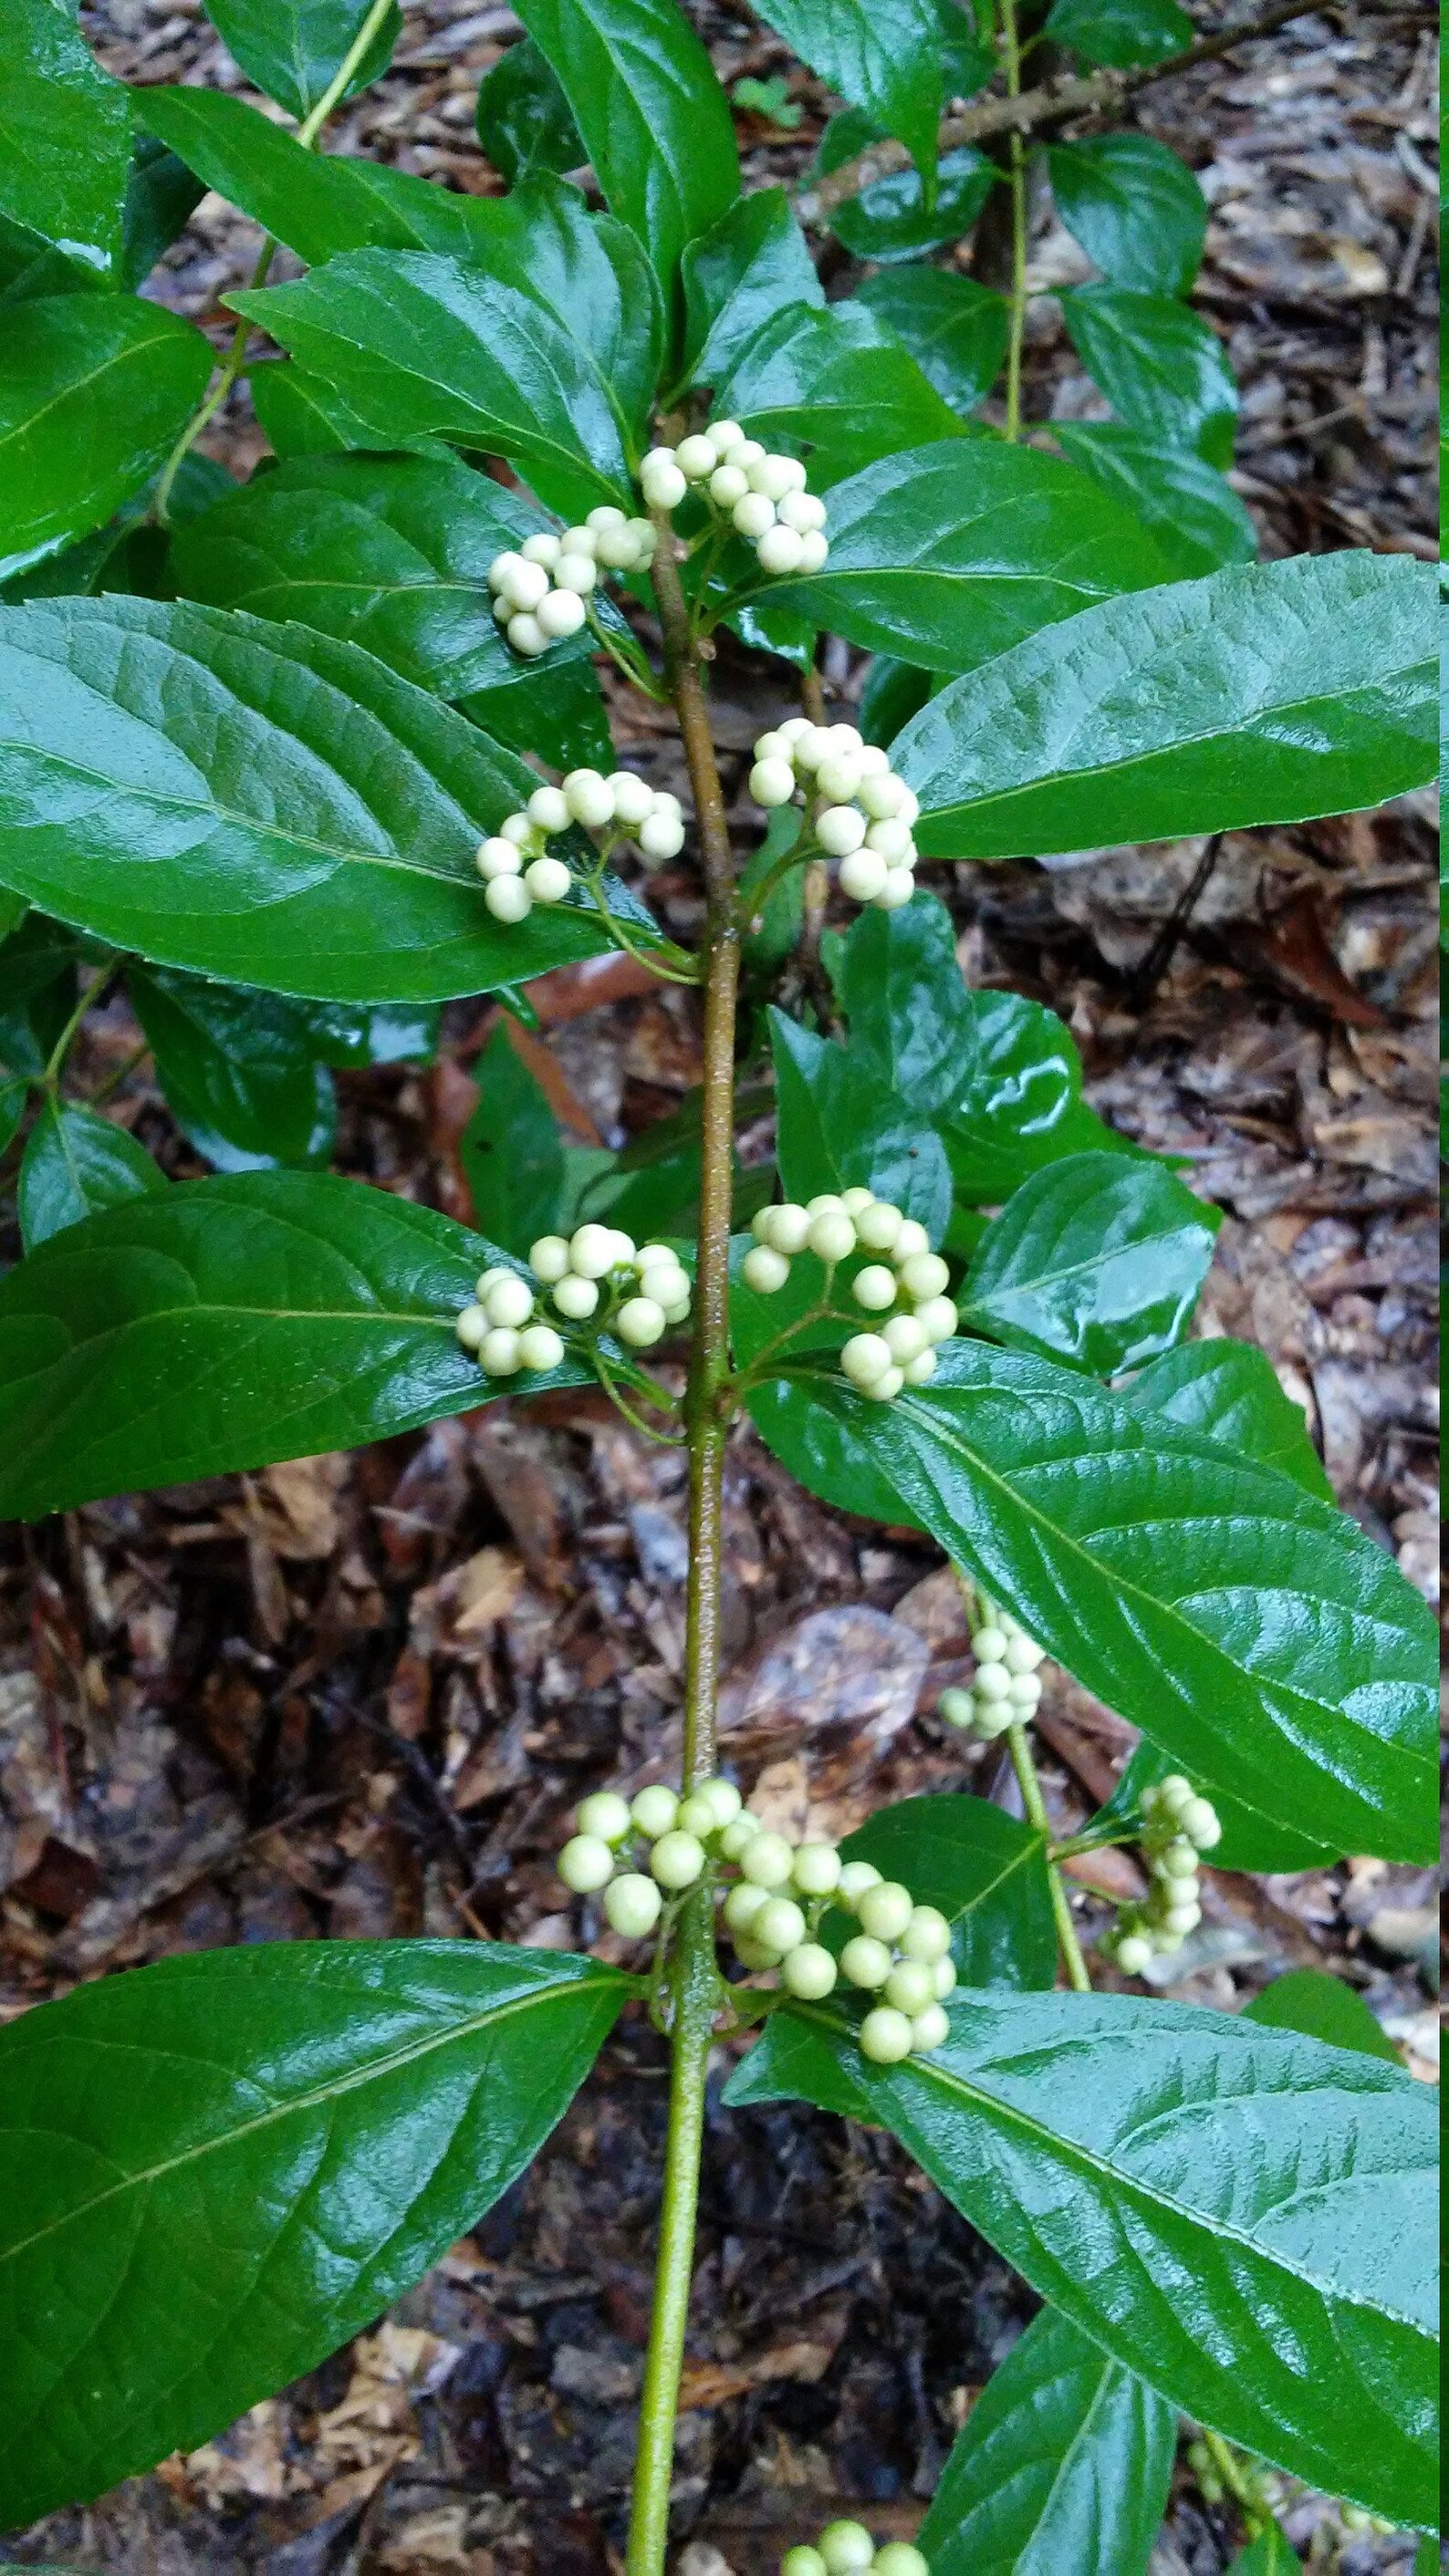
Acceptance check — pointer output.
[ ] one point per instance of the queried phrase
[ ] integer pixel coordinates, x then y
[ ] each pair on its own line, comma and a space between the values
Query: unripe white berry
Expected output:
677, 1860
767, 1860
723, 1799
789, 1228
780, 1923
527, 584
490, 1279
886, 1388
929, 2029
927, 1935
625, 1250
1023, 1654
470, 1327
743, 1904
498, 858
498, 1352
831, 1238
809, 1972
727, 485
945, 1979
764, 1271
874, 1288
840, 830
910, 1986
509, 1300
590, 798
753, 1954
548, 809
695, 456
1179, 1860
772, 782
816, 1869
878, 1226
865, 1359
539, 1348
994, 1720
548, 880
591, 1251
908, 810
857, 1199
855, 1877
605, 1815
640, 1323
576, 1298
724, 435
753, 515
1025, 1693
518, 829
1172, 1791
548, 1258
527, 636
508, 899
891, 837
586, 1863
885, 2036
872, 762
847, 2548
503, 567
575, 575
606, 515
654, 1810
993, 1682
617, 548
766, 476
1134, 1954
958, 1707
885, 1911
696, 1816
838, 777
911, 1239
633, 1905
814, 547
898, 2558
738, 1835
1183, 1918
665, 1282
1199, 1820
747, 452
660, 835
646, 538
803, 511
779, 551
937, 1319
866, 1962
561, 614
924, 1276
904, 1339
775, 745
633, 797
543, 549
660, 480
921, 1370
989, 1644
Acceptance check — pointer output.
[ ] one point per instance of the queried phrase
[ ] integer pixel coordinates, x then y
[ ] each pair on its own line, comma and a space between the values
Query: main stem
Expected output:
1018, 1745
693, 1977
1011, 50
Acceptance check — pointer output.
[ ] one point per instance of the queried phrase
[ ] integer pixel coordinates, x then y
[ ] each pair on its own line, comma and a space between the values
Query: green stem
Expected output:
235, 359
1018, 1746
1254, 2512
650, 957
634, 669
799, 855
1012, 53
61, 1049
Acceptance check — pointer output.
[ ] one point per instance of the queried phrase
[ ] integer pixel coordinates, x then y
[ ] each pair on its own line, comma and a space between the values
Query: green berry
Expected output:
958, 1707
929, 2029
945, 1979
754, 1954
654, 1811
585, 1863
605, 1814
865, 1962
697, 1816
898, 2558
677, 1860
855, 1877
803, 2562
885, 2036
780, 1923
738, 1835
816, 1869
1179, 1860
809, 1972
927, 1935
847, 2548
742, 1905
632, 1906
989, 1644
885, 1911
723, 1796
910, 1986
767, 1860
1134, 1954
1198, 1819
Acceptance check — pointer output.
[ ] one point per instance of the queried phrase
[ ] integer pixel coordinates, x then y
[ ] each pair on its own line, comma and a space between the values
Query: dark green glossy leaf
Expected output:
65, 137
76, 1164
1250, 1839
1264, 694
302, 416
1252, 1632
227, 1323
651, 112
1195, 518
1119, 33
524, 121
38, 987
350, 1035
893, 692
1136, 209
966, 63
740, 274
1160, 366
35, 953
950, 553
559, 713
422, 346
882, 55
1322, 2007
238, 1070
834, 381
128, 553
294, 49
94, 390
1230, 1392
840, 1127
257, 803
1241, 2216
511, 1150
1061, 2469
248, 2154
985, 1871
891, 220
161, 197
30, 268
1094, 1261
954, 329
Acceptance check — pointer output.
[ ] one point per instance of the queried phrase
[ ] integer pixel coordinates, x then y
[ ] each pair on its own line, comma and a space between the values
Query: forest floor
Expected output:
356, 1696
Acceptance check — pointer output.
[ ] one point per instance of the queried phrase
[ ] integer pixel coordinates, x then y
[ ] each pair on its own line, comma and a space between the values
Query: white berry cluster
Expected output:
763, 496
514, 862
1007, 1686
541, 588
773, 1906
906, 1291
1178, 1825
861, 812
597, 1272
847, 2549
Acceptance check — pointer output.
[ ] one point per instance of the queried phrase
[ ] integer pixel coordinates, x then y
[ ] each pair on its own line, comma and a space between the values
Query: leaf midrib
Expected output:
1007, 1288
74, 385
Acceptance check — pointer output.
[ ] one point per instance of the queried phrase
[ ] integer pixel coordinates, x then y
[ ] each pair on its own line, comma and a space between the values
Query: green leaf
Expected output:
839, 1127
1322, 2007
302, 416
985, 1871
419, 345
882, 55
227, 1323
893, 218
65, 137
389, 552
737, 276
893, 692
1160, 366
1061, 2469
1271, 2554
651, 112
1136, 209
294, 49
1195, 518
966, 63
511, 1150
1250, 1840
37, 992
525, 123
75, 1164
1094, 1261
950, 553
161, 197
1251, 1631
1268, 693
238, 1070
955, 330
382, 1033
257, 803
94, 391
835, 381
1239, 2215
1230, 1392
247, 2155
559, 713
1119, 33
